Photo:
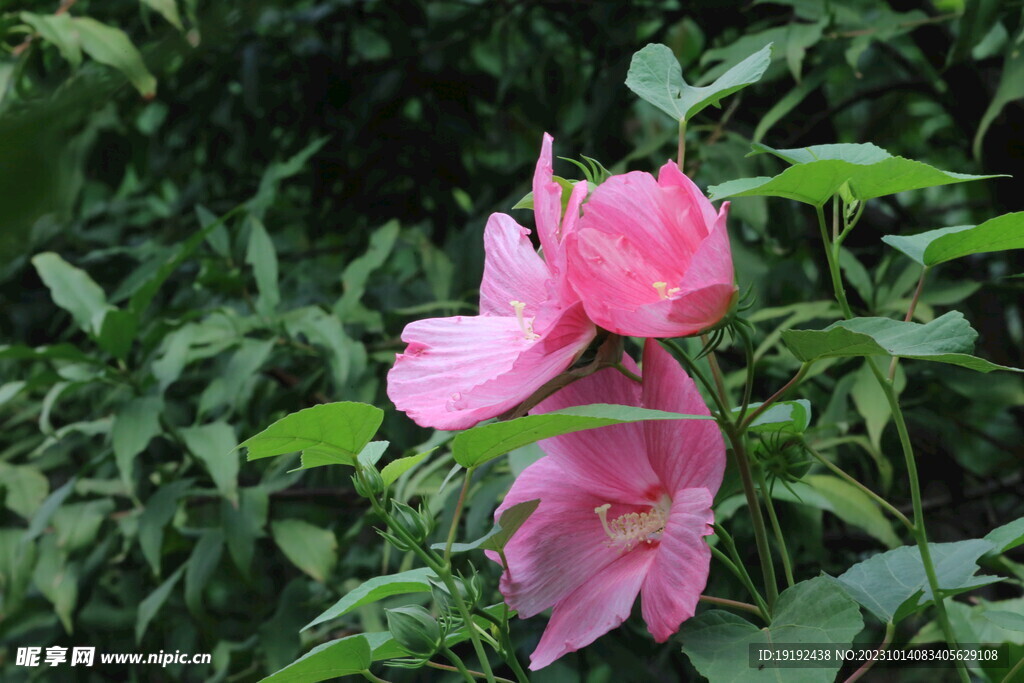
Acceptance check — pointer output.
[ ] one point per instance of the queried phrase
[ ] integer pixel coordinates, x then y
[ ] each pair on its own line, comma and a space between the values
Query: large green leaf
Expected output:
893, 584
480, 444
378, 588
58, 29
1007, 536
214, 445
72, 289
815, 611
134, 426
819, 171
310, 548
26, 488
655, 75
945, 244
396, 468
332, 432
947, 339
112, 46
342, 657
1000, 621
844, 500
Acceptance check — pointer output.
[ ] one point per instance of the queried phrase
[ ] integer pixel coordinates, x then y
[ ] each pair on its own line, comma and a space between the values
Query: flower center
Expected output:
663, 289
525, 325
632, 528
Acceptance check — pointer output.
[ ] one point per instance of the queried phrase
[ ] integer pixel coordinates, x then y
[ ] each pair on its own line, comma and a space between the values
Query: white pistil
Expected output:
525, 325
626, 531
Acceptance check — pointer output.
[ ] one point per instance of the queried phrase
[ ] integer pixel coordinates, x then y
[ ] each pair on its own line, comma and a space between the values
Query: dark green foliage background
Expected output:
429, 117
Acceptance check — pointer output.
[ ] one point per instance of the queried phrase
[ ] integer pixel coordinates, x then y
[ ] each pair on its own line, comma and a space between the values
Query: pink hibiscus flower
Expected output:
651, 258
623, 511
458, 371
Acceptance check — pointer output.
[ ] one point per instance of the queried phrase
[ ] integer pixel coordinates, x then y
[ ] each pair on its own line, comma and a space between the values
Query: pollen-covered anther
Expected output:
525, 325
626, 531
664, 291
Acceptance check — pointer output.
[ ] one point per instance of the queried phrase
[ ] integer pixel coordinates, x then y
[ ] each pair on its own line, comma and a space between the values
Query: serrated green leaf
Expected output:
342, 657
944, 340
814, 611
335, 432
656, 77
893, 585
396, 468
945, 244
112, 46
821, 170
72, 289
310, 548
378, 588
478, 445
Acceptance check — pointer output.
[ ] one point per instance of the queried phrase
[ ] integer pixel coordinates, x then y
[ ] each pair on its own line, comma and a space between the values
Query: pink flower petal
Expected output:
513, 271
547, 203
671, 176
607, 461
563, 337
561, 545
712, 263
679, 571
596, 607
685, 453
448, 357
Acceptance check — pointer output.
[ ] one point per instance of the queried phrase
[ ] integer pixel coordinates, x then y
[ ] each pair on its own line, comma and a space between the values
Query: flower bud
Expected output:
418, 524
368, 482
415, 630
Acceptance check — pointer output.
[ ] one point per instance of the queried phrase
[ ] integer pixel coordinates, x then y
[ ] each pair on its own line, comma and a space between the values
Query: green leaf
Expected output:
310, 548
278, 171
342, 657
160, 509
412, 581
1008, 536
134, 426
168, 9
793, 417
214, 445
358, 271
262, 256
655, 75
987, 622
152, 603
72, 289
331, 432
41, 518
819, 171
26, 487
58, 29
200, 567
244, 524
56, 580
396, 468
117, 329
1010, 88
893, 585
944, 340
814, 611
77, 524
502, 531
480, 444
945, 244
844, 500
112, 46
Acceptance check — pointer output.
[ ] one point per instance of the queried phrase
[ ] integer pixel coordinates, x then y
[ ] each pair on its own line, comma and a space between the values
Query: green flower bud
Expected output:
415, 630
417, 523
368, 482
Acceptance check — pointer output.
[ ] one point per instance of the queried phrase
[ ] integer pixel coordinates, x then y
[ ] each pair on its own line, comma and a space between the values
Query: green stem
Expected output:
735, 604
744, 578
909, 317
460, 665
716, 374
748, 385
776, 397
831, 254
370, 676
760, 531
780, 539
681, 152
457, 515
853, 480
1017, 668
476, 674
